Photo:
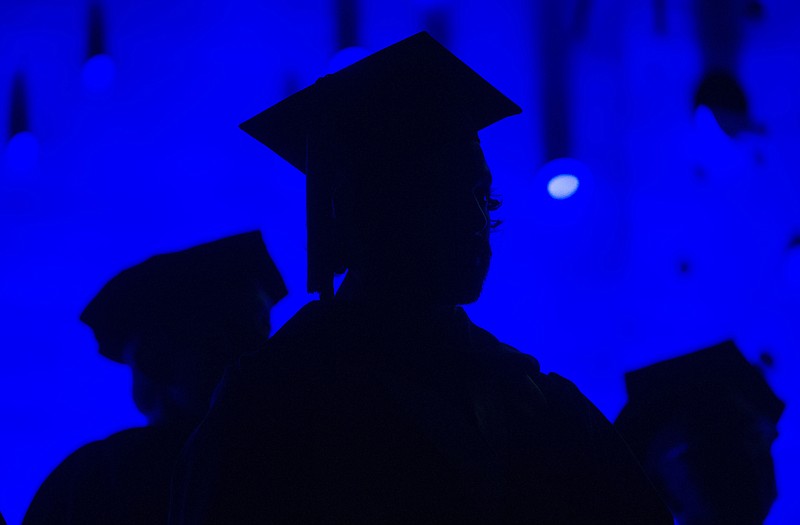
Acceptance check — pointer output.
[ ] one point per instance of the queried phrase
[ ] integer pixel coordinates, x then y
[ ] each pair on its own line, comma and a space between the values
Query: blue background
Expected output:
678, 236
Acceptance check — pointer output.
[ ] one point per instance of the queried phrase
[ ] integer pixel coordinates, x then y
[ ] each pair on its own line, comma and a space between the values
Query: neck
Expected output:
389, 296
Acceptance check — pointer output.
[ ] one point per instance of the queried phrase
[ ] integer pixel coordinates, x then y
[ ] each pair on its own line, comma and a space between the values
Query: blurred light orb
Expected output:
22, 152
560, 178
98, 73
563, 186
346, 57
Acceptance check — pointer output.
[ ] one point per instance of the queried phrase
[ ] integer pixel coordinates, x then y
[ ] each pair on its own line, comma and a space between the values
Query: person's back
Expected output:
177, 320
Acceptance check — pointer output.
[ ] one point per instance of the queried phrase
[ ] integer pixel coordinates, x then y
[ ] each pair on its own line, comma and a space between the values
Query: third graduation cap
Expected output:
399, 102
686, 387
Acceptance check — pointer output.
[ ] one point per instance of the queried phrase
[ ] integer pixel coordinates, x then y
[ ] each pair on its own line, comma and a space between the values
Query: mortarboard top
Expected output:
414, 93
396, 104
223, 278
660, 392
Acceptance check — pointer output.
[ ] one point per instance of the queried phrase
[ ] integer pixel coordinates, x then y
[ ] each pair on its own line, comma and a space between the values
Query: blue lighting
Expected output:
706, 123
98, 73
346, 57
119, 140
431, 4
22, 152
792, 273
563, 186
712, 144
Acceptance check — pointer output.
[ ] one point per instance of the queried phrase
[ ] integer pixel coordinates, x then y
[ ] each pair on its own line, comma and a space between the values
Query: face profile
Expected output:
174, 371
459, 223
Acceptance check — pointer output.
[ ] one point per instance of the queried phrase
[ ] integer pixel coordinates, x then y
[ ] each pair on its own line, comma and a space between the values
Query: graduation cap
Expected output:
400, 103
701, 383
232, 278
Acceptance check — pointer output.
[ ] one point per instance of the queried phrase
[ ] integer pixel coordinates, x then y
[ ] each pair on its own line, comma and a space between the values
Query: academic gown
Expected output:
352, 415
121, 480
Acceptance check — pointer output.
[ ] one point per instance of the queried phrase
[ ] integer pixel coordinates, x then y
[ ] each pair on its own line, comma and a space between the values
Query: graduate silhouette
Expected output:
702, 425
384, 403
177, 320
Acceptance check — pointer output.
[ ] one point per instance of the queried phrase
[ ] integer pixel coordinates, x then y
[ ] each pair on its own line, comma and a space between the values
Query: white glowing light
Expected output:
563, 186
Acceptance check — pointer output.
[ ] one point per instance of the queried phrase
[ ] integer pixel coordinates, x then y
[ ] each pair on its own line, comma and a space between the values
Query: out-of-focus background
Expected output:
651, 188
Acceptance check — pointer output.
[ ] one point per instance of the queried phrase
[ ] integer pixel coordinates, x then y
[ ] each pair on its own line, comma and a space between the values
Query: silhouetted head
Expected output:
398, 188
179, 319
423, 235
703, 425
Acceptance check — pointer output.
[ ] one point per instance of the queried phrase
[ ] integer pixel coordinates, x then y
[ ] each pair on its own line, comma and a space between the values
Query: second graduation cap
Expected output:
398, 103
213, 281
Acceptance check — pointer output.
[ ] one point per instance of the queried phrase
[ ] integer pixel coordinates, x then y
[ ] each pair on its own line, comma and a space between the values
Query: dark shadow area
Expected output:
703, 425
177, 320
